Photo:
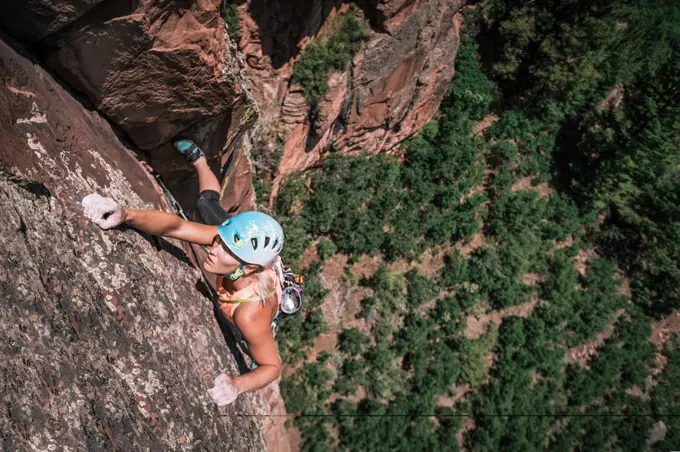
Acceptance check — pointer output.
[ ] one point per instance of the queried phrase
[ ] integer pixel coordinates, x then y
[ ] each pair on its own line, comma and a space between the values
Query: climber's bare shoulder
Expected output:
255, 319
255, 325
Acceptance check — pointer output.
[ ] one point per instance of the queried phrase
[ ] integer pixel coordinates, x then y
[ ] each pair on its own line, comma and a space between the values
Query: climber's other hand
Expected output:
104, 211
224, 392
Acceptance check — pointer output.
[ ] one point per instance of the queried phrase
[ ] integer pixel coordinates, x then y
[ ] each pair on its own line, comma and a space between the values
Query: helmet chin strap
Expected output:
238, 273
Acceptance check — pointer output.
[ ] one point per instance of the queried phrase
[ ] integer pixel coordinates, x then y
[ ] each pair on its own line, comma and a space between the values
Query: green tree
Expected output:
390, 291
309, 388
351, 377
474, 355
332, 53
352, 341
325, 249
420, 289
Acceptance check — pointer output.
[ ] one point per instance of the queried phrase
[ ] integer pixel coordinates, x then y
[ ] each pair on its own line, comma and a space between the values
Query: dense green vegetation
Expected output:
325, 54
230, 16
356, 198
571, 200
621, 163
265, 162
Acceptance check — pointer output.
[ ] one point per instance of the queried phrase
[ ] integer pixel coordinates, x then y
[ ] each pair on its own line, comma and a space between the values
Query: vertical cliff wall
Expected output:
156, 69
392, 87
106, 342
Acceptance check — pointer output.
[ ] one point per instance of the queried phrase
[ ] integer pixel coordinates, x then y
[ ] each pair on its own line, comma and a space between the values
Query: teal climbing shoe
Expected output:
189, 149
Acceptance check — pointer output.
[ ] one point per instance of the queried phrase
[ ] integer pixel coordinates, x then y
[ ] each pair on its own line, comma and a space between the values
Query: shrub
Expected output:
325, 54
325, 249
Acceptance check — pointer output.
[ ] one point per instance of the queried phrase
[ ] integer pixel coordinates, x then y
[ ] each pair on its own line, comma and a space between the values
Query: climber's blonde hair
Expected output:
264, 282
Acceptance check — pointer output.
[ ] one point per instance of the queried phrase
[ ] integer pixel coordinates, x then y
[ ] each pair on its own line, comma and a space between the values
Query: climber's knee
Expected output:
208, 205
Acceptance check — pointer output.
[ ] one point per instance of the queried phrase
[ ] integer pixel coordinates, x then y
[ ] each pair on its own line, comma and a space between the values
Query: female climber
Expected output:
244, 251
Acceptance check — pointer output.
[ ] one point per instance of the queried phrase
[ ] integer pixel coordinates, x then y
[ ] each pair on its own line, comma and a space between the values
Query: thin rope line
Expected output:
465, 415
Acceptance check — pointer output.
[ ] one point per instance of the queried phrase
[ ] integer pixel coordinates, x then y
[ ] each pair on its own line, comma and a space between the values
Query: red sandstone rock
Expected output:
400, 78
154, 68
238, 193
397, 80
278, 437
220, 138
107, 343
330, 107
36, 19
391, 13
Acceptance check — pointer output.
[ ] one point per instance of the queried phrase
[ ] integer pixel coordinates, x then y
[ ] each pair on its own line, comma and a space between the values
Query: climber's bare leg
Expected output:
206, 178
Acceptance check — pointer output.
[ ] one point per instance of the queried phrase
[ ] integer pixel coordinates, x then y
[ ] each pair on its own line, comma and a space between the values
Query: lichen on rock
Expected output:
105, 341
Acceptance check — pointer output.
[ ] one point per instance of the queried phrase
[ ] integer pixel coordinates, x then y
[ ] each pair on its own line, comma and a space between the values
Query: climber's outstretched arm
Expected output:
108, 214
157, 222
262, 348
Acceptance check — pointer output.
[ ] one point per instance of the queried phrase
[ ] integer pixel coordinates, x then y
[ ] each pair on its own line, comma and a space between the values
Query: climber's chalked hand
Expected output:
224, 392
105, 212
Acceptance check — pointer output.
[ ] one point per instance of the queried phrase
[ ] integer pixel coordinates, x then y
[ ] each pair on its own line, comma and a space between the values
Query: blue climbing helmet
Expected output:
253, 237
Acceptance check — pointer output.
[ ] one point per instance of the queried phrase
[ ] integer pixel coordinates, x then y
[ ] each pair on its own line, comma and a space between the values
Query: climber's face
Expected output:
220, 260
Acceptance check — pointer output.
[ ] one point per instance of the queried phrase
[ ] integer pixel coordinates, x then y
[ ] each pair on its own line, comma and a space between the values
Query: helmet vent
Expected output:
253, 242
266, 241
236, 238
276, 242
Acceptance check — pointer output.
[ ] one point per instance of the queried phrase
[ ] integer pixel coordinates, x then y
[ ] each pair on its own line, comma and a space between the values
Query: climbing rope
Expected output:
175, 204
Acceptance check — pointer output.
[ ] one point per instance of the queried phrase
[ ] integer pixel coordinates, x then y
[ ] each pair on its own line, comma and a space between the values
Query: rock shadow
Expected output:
232, 336
284, 23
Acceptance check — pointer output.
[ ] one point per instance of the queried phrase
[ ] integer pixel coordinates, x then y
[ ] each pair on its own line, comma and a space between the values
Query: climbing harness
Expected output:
289, 291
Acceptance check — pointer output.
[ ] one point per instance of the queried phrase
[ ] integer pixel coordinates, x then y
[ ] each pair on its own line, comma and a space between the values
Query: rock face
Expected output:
105, 341
154, 68
34, 20
165, 67
157, 69
279, 437
394, 86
